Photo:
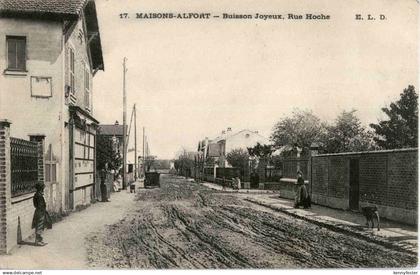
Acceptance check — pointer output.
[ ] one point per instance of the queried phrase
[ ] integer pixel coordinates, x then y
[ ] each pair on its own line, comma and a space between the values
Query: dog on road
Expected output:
371, 213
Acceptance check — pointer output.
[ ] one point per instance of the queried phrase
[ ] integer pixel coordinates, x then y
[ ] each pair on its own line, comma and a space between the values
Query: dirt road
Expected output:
186, 225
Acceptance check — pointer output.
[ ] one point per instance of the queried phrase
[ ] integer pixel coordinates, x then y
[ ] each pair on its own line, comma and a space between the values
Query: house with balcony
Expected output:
50, 51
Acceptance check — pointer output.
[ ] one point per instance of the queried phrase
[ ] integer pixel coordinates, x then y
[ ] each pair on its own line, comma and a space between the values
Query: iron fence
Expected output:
292, 165
227, 172
24, 166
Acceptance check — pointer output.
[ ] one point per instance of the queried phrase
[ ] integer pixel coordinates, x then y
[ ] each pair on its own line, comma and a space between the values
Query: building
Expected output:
115, 132
219, 147
50, 50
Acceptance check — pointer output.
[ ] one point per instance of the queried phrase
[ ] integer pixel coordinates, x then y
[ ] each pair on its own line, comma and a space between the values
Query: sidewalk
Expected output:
66, 240
229, 189
399, 236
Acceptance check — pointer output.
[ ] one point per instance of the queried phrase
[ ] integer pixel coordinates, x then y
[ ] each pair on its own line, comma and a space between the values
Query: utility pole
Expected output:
124, 126
144, 160
135, 144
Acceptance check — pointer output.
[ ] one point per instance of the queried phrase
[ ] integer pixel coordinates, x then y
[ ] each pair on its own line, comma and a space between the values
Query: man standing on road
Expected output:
104, 193
41, 217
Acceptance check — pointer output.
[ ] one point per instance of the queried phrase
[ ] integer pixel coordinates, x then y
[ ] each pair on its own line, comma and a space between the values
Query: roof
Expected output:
227, 136
112, 130
75, 110
64, 8
70, 10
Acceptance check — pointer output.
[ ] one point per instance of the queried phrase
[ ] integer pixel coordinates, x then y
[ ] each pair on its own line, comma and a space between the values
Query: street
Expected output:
186, 225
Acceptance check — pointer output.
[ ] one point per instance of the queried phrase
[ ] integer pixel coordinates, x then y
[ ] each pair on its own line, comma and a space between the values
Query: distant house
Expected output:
115, 132
219, 147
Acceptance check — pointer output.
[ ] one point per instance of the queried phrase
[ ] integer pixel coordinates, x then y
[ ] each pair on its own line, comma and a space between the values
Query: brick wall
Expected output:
5, 191
337, 178
387, 179
320, 176
402, 178
19, 218
15, 213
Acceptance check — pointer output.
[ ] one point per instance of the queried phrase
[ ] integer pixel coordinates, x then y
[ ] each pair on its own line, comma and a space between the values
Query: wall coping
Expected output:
291, 180
369, 152
23, 197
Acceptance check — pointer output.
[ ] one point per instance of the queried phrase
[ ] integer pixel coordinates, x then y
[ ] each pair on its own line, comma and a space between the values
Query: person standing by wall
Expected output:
302, 197
41, 219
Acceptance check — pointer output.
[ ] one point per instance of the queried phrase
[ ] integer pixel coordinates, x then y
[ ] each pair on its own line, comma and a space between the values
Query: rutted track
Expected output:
185, 225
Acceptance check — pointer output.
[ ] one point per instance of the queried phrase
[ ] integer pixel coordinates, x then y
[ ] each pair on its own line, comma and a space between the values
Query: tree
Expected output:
261, 155
299, 130
184, 165
400, 129
210, 161
347, 135
260, 151
238, 158
106, 155
277, 161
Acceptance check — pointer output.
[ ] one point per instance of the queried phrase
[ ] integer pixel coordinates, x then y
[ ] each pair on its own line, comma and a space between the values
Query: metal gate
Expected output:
24, 166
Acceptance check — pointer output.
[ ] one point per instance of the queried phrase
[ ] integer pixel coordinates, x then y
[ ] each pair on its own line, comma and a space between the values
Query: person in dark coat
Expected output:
104, 193
41, 219
302, 197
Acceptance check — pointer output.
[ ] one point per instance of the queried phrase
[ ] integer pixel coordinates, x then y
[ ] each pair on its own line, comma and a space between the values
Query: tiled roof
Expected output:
60, 10
111, 130
58, 7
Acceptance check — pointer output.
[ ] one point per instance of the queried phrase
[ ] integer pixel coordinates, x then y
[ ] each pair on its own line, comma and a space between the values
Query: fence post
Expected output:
39, 139
5, 182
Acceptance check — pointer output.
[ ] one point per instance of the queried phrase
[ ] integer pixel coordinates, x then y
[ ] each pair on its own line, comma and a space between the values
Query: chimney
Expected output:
256, 132
229, 129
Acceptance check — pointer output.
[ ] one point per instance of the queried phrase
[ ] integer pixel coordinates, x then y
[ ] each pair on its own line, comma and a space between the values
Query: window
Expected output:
16, 53
50, 166
87, 88
71, 69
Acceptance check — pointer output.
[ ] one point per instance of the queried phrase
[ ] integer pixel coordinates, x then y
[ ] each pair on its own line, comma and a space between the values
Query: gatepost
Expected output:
5, 182
313, 152
39, 139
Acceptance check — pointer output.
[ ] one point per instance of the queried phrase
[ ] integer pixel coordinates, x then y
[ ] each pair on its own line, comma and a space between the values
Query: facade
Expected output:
115, 132
220, 146
49, 54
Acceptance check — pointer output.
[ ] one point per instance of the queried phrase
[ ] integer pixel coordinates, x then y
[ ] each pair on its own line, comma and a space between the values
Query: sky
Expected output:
191, 79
